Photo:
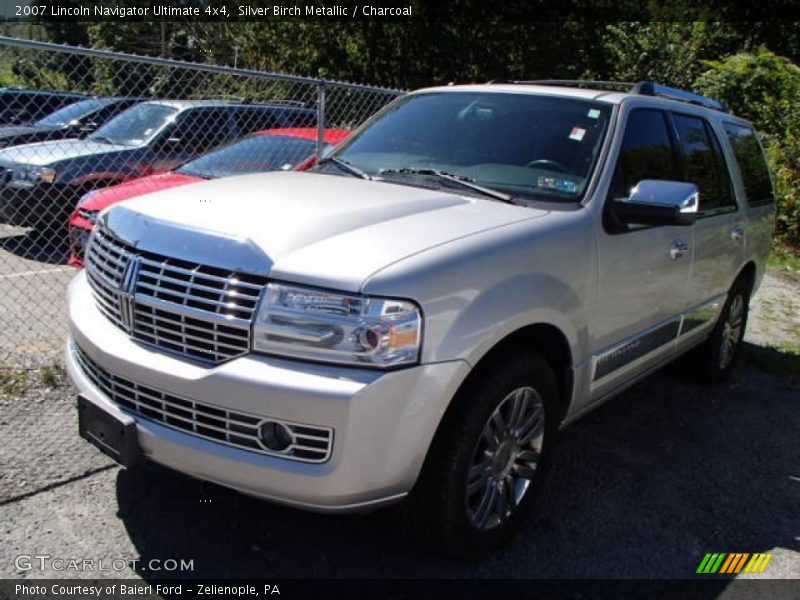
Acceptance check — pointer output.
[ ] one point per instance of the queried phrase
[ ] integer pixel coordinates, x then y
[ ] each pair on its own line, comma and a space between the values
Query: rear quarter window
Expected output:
752, 164
254, 119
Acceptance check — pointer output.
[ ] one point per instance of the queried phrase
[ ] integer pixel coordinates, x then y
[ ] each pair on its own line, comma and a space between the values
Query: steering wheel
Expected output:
551, 165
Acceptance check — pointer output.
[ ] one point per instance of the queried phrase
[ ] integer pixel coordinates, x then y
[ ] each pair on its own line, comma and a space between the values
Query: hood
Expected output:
105, 197
45, 153
14, 130
25, 134
325, 230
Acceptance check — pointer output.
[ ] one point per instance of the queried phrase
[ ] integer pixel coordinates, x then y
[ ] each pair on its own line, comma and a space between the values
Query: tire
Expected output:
720, 353
466, 454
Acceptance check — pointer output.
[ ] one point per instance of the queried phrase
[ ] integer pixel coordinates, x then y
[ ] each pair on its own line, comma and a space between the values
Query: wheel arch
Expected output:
543, 339
748, 273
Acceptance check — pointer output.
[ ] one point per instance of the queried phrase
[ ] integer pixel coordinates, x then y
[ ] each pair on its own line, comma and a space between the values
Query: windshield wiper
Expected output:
102, 139
459, 179
350, 168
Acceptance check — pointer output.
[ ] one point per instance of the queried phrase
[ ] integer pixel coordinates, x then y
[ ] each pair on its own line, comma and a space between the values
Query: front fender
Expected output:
474, 292
509, 306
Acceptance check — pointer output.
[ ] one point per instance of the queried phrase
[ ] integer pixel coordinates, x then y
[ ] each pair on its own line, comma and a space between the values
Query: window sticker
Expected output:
577, 134
593, 113
561, 185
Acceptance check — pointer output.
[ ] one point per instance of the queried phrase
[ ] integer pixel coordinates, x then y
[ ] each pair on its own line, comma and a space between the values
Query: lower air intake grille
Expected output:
306, 443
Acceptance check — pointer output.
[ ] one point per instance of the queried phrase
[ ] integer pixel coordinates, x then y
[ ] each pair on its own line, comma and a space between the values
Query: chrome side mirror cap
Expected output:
659, 202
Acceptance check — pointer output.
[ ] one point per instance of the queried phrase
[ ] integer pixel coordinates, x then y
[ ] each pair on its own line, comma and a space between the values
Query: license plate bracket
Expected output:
113, 436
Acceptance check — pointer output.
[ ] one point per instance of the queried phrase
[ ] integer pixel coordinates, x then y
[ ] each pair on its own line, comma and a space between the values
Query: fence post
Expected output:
320, 118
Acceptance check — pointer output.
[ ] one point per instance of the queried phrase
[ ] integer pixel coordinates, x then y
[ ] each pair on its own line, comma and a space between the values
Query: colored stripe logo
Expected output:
733, 563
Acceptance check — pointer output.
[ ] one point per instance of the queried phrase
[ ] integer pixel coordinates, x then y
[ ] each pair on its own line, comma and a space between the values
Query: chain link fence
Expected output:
82, 129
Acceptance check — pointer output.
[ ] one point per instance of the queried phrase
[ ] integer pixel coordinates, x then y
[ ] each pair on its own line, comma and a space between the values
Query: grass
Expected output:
51, 376
13, 382
782, 360
785, 260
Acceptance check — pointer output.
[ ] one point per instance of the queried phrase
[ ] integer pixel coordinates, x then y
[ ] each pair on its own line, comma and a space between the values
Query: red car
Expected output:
267, 150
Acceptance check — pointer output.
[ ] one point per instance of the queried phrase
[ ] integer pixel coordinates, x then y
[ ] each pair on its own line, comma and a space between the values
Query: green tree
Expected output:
667, 52
765, 89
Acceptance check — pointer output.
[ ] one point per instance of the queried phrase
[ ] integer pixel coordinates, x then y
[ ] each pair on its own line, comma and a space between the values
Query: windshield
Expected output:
136, 126
251, 155
64, 116
525, 145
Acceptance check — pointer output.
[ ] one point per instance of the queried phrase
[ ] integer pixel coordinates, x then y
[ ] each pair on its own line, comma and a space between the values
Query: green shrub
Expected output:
765, 89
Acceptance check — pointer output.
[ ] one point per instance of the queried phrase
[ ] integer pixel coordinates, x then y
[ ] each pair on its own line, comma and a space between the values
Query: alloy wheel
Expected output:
731, 331
505, 459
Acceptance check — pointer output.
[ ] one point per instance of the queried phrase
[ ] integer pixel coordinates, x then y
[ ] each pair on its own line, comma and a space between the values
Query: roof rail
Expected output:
220, 97
623, 85
642, 88
297, 103
249, 101
649, 88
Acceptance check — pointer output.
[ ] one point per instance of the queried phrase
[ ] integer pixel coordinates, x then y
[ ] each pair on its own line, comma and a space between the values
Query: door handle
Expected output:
737, 233
678, 249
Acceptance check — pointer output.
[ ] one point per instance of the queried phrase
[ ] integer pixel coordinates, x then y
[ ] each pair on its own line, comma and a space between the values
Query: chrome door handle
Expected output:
678, 249
737, 233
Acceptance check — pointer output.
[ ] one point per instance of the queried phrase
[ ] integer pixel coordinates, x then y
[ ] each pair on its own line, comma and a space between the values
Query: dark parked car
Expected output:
42, 182
23, 106
75, 120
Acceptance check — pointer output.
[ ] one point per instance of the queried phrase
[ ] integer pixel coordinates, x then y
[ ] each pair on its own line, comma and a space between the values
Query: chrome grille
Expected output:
308, 444
195, 310
106, 261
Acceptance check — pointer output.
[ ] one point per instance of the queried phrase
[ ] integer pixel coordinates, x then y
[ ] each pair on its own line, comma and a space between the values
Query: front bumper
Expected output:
383, 422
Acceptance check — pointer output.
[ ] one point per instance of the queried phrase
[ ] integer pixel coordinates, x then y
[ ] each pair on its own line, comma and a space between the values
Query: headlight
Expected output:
328, 326
29, 176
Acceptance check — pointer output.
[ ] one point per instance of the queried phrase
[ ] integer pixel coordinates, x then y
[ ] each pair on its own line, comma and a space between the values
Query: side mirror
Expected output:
172, 144
656, 202
86, 128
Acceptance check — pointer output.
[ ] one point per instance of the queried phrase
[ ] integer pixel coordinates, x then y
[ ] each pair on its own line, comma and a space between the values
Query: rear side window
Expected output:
646, 152
704, 164
752, 164
202, 129
107, 113
22, 107
301, 117
249, 120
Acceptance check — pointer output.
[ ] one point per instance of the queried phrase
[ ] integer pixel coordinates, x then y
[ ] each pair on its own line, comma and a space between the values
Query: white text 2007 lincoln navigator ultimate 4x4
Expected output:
415, 319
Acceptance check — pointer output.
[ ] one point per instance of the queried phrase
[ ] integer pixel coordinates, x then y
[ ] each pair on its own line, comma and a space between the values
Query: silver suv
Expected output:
475, 268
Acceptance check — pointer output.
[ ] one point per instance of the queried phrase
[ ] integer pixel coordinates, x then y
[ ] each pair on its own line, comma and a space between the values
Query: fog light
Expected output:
275, 436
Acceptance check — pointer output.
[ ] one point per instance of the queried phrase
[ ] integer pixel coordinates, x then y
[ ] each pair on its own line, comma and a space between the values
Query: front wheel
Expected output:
489, 459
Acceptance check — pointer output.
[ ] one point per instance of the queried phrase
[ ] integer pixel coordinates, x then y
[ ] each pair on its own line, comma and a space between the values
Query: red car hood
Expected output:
136, 187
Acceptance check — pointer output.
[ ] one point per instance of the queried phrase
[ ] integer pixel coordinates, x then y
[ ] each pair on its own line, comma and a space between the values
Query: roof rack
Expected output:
278, 102
649, 88
220, 97
588, 83
642, 88
249, 101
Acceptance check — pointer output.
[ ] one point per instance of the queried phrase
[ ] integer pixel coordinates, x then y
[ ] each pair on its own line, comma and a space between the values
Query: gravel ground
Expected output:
33, 282
641, 488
